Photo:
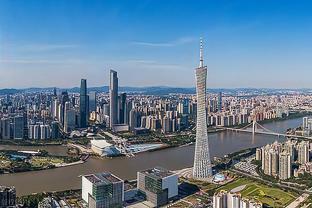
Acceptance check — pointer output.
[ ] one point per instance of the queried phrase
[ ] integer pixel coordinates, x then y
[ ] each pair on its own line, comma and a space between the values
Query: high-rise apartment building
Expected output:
202, 164
224, 199
284, 166
303, 152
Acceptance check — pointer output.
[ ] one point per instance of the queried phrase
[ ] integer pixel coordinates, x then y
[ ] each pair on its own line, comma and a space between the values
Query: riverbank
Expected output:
12, 161
177, 158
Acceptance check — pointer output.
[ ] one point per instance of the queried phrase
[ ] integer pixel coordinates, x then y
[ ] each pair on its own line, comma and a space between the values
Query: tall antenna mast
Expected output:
201, 60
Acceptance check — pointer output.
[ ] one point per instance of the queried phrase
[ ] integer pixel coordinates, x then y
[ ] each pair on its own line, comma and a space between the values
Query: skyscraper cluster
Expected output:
235, 110
277, 159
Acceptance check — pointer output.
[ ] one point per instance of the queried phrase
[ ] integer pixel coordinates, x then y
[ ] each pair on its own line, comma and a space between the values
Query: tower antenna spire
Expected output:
201, 60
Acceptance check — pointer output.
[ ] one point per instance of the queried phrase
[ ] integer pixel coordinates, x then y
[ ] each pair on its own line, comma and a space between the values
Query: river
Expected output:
173, 158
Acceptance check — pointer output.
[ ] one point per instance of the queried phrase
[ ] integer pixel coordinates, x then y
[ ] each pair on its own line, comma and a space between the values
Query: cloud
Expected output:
179, 41
142, 61
38, 47
46, 47
150, 64
40, 61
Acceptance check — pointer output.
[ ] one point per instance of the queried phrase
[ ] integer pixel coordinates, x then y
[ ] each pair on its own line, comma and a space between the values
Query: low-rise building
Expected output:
158, 185
7, 196
102, 190
103, 148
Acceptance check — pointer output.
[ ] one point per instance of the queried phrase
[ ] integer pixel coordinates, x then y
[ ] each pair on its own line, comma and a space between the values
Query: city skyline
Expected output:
268, 40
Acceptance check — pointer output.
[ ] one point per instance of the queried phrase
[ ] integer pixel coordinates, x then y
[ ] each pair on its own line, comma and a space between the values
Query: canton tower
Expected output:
202, 164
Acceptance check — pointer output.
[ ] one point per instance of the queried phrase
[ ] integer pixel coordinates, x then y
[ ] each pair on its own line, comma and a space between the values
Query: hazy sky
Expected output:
155, 43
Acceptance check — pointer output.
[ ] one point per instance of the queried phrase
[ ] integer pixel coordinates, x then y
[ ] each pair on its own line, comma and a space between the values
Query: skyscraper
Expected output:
122, 108
202, 164
284, 166
19, 127
83, 104
113, 98
92, 102
220, 102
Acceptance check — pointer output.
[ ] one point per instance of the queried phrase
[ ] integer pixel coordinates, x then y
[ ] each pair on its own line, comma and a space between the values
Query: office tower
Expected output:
54, 92
303, 152
102, 190
186, 106
122, 108
55, 131
25, 128
284, 166
18, 127
220, 102
106, 109
5, 128
92, 102
70, 120
128, 109
83, 104
113, 98
64, 99
158, 185
133, 119
7, 196
55, 108
202, 164
60, 110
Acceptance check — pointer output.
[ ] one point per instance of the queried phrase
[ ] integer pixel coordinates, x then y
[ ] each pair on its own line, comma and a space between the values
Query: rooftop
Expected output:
106, 178
7, 189
158, 172
100, 143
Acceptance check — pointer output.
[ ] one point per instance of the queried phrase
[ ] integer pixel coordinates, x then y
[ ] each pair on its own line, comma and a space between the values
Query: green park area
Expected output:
43, 162
12, 161
273, 197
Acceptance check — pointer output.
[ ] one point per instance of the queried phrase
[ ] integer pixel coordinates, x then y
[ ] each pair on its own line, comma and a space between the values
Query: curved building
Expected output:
202, 164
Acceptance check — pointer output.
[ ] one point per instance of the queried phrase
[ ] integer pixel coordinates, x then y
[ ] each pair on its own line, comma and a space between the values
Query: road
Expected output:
298, 201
